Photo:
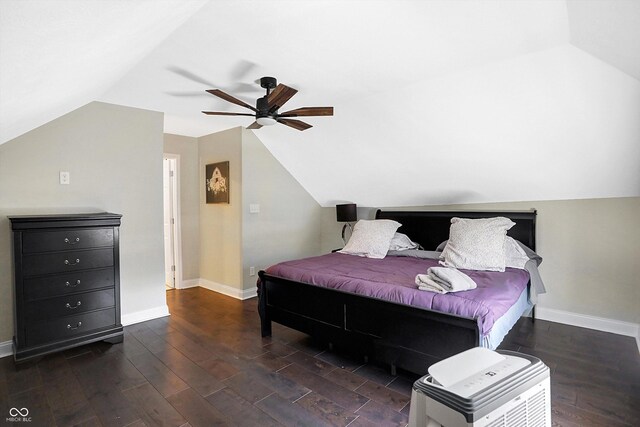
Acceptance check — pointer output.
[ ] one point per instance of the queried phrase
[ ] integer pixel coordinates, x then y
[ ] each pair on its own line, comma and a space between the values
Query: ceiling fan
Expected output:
266, 109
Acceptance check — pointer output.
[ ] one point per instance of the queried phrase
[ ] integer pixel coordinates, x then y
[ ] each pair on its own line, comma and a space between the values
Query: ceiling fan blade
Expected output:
244, 88
229, 98
308, 111
223, 113
188, 93
189, 75
279, 96
242, 68
254, 125
296, 124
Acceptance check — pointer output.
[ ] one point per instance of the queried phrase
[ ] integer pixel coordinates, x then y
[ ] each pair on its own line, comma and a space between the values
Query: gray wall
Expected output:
288, 225
231, 238
590, 248
114, 155
187, 148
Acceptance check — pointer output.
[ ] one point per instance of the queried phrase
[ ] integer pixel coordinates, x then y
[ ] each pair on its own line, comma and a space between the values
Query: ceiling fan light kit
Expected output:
266, 109
266, 121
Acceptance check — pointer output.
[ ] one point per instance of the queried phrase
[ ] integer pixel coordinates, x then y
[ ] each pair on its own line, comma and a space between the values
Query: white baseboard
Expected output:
240, 294
191, 283
591, 322
144, 315
6, 348
249, 293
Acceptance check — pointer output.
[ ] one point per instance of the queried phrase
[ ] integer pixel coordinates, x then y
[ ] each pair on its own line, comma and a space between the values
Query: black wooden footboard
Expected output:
398, 335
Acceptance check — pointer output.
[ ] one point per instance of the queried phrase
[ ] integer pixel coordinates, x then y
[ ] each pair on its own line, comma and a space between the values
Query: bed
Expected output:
403, 333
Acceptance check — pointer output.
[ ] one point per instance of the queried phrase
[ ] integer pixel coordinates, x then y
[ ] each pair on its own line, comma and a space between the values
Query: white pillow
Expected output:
476, 244
402, 242
515, 256
371, 238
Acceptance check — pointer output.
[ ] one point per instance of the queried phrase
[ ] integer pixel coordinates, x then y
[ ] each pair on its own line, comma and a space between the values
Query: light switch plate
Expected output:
65, 177
254, 208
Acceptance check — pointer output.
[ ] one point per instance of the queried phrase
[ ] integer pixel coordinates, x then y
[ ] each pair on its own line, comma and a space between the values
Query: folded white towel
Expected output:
443, 280
425, 283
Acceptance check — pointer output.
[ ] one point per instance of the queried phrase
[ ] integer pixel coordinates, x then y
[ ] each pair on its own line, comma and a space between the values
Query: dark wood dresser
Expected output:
67, 282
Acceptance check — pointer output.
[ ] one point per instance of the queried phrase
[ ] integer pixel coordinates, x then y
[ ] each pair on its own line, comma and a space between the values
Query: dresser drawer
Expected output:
62, 284
69, 327
69, 305
60, 262
70, 239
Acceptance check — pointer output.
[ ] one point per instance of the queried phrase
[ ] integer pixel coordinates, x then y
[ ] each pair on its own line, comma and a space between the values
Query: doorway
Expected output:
171, 208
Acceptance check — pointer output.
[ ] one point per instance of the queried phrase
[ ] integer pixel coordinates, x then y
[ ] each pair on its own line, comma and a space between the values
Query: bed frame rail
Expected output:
394, 334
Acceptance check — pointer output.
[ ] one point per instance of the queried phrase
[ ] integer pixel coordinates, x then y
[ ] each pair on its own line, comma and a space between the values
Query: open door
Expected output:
171, 221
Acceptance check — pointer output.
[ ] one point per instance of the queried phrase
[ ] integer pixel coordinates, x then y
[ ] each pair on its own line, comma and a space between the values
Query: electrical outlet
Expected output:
252, 271
65, 177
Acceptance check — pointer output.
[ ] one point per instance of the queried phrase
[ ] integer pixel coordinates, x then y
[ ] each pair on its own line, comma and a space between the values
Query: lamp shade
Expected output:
346, 212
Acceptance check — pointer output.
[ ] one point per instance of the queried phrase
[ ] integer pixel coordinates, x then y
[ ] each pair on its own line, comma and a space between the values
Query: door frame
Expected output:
177, 223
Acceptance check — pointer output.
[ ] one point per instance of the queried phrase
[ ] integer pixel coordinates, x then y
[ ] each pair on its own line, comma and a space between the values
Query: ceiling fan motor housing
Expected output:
262, 106
268, 82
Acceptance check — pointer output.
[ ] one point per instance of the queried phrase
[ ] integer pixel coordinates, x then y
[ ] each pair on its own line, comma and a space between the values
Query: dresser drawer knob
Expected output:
66, 262
78, 304
69, 285
66, 240
76, 327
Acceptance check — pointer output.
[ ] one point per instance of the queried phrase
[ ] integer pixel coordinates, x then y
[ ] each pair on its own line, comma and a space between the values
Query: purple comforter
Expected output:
393, 279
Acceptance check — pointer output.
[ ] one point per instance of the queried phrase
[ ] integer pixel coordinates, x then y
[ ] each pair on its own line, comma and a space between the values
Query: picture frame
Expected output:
217, 182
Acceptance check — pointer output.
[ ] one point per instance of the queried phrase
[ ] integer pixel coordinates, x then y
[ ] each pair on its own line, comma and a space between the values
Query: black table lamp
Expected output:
346, 213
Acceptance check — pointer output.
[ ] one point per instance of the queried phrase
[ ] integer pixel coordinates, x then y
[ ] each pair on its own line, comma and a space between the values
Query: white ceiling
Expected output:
57, 55
609, 30
435, 101
347, 50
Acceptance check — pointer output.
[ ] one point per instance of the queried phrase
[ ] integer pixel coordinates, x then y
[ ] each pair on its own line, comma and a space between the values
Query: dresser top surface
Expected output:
19, 222
63, 217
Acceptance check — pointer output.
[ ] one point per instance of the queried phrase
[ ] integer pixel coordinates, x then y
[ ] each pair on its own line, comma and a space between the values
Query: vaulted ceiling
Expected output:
435, 101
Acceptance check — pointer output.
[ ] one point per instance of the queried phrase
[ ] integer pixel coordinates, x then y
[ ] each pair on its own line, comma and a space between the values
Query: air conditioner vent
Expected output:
536, 409
517, 417
498, 422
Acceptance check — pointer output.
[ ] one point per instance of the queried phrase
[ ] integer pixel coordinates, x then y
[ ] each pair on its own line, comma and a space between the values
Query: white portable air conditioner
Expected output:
483, 388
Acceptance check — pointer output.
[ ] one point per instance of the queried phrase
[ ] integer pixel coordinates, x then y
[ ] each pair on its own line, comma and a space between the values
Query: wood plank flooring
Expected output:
206, 365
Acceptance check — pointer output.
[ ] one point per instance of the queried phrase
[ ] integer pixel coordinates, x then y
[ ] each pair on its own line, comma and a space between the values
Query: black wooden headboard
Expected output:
430, 228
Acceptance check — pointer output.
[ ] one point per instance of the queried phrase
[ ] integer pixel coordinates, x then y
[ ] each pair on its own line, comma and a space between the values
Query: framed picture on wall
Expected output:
217, 182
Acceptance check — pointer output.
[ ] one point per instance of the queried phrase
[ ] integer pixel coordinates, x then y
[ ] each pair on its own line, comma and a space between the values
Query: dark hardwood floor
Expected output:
206, 365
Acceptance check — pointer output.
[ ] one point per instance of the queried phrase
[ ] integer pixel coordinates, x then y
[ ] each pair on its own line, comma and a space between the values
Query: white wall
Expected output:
114, 156
187, 148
